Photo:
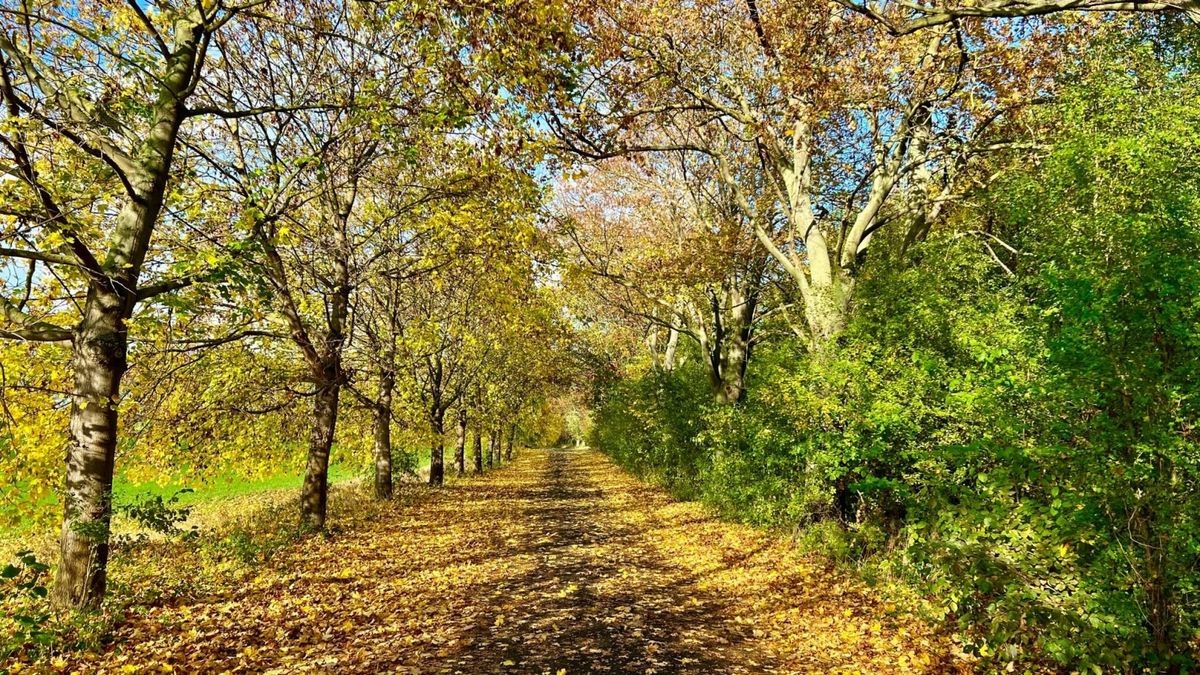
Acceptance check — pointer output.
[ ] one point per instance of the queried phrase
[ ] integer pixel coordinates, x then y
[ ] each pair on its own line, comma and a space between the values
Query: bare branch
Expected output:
931, 16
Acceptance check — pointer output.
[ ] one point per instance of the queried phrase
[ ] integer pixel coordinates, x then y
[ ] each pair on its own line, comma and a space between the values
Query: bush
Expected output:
1019, 444
25, 619
649, 426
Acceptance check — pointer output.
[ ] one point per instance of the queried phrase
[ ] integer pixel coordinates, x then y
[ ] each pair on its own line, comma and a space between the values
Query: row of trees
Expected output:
245, 207
917, 284
808, 261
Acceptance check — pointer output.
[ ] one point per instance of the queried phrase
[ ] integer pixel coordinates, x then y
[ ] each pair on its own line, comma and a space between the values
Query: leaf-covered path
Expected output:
558, 563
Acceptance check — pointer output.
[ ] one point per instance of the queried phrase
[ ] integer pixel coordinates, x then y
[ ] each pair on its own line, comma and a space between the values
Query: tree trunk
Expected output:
383, 446
508, 450
437, 454
99, 360
826, 287
668, 359
383, 454
314, 495
327, 366
825, 308
100, 343
383, 436
478, 441
711, 337
737, 353
652, 345
460, 446
733, 384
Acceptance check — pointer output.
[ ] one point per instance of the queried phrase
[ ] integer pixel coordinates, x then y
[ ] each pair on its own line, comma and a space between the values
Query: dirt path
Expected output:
560, 563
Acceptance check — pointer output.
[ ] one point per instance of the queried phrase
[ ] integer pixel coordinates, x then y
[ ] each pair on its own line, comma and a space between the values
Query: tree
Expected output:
460, 445
475, 258
808, 111
477, 445
299, 179
405, 249
106, 88
676, 253
379, 321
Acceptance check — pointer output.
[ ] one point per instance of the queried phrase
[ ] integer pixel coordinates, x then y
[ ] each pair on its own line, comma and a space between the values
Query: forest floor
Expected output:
558, 563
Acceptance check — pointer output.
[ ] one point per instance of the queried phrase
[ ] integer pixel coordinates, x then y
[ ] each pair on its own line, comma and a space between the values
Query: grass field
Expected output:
211, 504
205, 498
223, 487
125, 491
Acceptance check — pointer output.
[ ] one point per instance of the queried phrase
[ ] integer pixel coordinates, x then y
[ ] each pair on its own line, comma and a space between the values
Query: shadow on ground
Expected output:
557, 563
580, 611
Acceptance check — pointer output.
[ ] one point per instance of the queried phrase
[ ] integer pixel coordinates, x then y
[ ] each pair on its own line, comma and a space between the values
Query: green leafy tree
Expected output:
102, 92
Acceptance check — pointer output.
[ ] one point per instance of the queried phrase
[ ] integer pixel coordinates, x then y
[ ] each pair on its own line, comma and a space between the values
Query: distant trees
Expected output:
665, 243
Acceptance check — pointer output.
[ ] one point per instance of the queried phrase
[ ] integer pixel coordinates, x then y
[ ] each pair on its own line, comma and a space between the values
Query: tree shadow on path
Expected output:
599, 598
558, 563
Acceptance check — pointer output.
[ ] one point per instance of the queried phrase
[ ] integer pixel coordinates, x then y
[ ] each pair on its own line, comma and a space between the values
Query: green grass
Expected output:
227, 486
222, 487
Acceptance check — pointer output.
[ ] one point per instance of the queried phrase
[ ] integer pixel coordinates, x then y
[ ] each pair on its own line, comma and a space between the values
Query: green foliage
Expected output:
1012, 434
1111, 223
406, 461
156, 514
650, 427
22, 598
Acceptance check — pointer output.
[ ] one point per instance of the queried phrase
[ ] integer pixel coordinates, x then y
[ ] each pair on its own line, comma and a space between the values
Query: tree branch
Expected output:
48, 258
20, 326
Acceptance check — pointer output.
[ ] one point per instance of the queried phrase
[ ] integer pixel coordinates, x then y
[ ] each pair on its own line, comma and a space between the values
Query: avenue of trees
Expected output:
916, 283
229, 224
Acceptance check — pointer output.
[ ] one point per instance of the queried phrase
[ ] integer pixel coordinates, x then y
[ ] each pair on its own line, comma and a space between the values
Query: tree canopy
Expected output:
917, 283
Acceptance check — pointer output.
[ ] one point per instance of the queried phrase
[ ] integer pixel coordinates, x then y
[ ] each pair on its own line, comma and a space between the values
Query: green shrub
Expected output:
1016, 443
25, 622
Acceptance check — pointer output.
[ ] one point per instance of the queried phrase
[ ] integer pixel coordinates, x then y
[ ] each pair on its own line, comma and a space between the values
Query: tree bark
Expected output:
314, 495
383, 435
437, 453
100, 353
737, 354
668, 358
825, 308
325, 362
478, 441
99, 361
460, 447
